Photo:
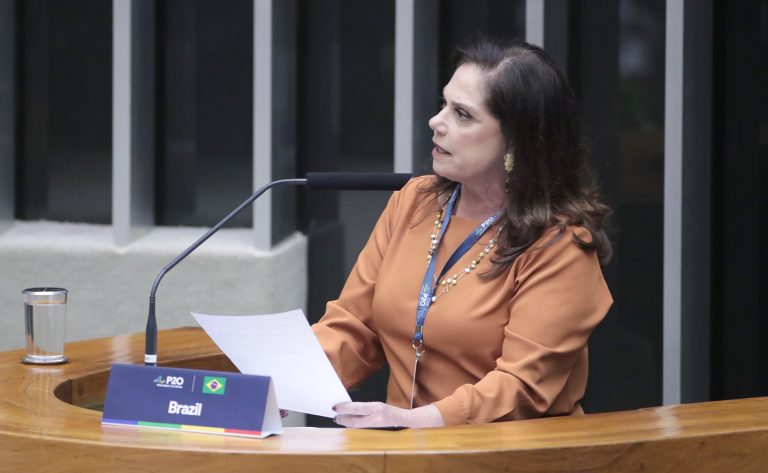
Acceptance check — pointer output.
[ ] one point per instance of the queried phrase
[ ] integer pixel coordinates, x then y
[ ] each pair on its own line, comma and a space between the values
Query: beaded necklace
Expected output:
446, 284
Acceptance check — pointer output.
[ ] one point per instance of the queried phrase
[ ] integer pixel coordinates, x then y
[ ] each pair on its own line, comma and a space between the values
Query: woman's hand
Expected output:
378, 414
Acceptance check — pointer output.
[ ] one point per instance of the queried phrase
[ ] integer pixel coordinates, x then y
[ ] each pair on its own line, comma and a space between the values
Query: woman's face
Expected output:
469, 144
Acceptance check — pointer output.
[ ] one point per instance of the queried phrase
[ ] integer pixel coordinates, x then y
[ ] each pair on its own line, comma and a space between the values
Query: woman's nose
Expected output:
436, 123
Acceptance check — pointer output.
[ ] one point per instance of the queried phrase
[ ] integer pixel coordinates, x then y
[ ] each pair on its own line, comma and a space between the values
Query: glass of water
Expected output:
45, 317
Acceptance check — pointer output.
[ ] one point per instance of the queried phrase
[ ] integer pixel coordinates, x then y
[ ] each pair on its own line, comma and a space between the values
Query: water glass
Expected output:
45, 317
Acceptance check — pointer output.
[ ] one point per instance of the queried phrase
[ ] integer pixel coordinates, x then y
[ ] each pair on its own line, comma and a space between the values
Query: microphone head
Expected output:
391, 181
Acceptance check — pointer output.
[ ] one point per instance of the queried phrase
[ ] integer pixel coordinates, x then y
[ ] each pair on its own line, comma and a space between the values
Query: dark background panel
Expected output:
616, 65
64, 114
740, 210
462, 21
205, 111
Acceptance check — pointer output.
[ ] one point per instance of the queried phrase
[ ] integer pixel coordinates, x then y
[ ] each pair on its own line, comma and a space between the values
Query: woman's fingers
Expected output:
368, 414
355, 408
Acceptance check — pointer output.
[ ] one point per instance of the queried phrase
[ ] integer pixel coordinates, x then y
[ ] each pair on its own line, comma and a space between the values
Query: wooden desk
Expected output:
39, 431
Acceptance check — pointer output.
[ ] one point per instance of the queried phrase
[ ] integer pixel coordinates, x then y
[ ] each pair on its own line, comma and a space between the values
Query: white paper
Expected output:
281, 346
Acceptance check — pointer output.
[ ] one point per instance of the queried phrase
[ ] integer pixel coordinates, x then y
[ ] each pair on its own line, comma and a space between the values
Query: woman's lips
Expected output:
438, 151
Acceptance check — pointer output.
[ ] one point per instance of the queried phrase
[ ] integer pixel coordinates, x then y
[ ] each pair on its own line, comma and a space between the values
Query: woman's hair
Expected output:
551, 184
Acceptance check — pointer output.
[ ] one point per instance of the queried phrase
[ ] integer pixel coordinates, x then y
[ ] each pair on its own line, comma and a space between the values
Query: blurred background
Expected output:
126, 126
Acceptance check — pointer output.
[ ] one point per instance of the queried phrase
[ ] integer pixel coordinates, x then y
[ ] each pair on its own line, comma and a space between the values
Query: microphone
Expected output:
356, 180
313, 180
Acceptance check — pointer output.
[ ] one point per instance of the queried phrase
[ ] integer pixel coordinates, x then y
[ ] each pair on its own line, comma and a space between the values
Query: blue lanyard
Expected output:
429, 284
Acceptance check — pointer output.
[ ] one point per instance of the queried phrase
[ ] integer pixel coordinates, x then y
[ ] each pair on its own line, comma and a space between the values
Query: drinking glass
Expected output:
45, 317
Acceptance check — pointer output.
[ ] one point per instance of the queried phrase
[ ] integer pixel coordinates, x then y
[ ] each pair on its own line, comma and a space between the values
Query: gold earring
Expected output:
509, 162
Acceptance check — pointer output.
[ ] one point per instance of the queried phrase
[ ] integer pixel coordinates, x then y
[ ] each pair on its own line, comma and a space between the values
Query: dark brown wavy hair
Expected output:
551, 185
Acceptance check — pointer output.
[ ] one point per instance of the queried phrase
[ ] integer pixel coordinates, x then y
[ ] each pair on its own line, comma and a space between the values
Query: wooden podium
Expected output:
47, 423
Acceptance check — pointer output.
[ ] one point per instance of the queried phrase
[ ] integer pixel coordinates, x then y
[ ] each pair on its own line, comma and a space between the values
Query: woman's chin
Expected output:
442, 170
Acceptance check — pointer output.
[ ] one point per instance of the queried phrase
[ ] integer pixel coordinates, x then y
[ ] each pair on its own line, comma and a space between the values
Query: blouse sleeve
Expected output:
560, 296
346, 331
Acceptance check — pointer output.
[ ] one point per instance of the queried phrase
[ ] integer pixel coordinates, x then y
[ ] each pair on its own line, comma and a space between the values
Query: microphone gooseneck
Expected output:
313, 180
150, 348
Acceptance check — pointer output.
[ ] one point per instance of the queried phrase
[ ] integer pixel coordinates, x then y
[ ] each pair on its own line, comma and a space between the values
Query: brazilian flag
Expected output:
214, 385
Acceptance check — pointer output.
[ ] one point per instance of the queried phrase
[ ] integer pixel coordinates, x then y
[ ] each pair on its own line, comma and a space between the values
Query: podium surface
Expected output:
48, 423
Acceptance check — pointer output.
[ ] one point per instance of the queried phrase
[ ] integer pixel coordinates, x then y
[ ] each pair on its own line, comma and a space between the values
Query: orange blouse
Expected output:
513, 347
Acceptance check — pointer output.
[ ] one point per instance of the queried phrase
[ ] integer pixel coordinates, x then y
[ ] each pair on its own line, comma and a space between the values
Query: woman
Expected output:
481, 285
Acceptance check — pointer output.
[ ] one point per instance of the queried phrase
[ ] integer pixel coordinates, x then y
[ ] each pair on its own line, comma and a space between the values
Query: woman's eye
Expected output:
442, 103
462, 114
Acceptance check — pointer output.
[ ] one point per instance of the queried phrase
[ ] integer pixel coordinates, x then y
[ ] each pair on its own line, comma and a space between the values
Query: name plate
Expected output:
210, 402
